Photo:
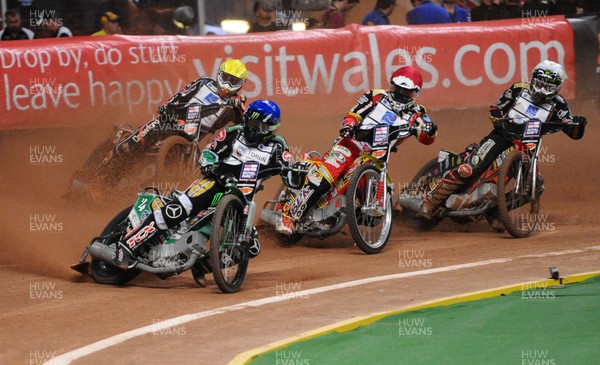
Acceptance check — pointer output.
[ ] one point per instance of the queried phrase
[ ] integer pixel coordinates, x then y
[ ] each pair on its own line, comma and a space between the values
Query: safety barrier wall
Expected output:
72, 82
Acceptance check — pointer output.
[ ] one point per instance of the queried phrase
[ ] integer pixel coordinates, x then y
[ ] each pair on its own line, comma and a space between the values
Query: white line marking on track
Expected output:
76, 354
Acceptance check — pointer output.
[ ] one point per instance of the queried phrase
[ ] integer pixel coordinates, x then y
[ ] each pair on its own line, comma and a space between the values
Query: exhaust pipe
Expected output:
102, 252
105, 253
270, 217
410, 202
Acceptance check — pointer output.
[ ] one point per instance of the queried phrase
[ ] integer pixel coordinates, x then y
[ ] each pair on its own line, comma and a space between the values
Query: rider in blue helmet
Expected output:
261, 119
250, 151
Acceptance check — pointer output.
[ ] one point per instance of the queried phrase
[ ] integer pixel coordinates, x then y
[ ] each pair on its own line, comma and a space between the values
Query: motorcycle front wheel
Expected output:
105, 272
517, 210
228, 254
370, 227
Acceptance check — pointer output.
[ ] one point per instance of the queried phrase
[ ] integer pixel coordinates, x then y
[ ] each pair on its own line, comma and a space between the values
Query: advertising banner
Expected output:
81, 80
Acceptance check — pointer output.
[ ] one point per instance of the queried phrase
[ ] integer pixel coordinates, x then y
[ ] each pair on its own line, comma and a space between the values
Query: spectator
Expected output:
457, 13
57, 29
334, 16
111, 24
379, 15
513, 9
534, 8
564, 7
265, 19
14, 30
489, 10
426, 12
590, 6
183, 18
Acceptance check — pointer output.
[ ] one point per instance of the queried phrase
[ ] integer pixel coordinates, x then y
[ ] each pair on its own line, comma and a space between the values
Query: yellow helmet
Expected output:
232, 76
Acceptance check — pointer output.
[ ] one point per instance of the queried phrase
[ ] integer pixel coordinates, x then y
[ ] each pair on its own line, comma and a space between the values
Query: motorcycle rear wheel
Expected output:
174, 162
369, 231
105, 272
517, 211
228, 255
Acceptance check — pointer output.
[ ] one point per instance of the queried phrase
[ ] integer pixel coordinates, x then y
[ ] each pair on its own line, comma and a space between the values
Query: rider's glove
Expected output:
163, 109
429, 128
499, 123
237, 101
207, 170
347, 132
580, 120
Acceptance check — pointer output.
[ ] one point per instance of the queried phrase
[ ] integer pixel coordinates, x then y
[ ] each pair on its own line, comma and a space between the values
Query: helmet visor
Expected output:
229, 81
260, 126
543, 87
403, 95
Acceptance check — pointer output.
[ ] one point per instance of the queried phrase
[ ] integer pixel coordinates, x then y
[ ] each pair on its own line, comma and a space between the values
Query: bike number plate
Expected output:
533, 129
141, 210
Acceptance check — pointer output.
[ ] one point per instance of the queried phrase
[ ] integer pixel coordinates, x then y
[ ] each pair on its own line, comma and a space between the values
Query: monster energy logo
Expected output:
216, 199
255, 115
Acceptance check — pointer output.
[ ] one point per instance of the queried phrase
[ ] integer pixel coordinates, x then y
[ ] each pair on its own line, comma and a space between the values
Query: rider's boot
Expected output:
449, 184
130, 244
254, 248
286, 225
122, 256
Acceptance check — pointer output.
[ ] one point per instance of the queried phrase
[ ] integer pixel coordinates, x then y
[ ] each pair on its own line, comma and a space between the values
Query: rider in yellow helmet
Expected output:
232, 76
196, 105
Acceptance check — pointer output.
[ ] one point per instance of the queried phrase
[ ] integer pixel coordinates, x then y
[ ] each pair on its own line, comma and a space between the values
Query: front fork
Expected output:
381, 195
249, 212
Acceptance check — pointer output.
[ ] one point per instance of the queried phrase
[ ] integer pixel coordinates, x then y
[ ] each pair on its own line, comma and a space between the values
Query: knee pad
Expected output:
465, 170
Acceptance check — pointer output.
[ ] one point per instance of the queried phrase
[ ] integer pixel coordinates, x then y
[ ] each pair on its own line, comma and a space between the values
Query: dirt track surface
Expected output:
47, 309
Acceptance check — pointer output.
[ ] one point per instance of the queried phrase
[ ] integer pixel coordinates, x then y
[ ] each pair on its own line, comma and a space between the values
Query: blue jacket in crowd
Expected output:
428, 13
376, 17
461, 15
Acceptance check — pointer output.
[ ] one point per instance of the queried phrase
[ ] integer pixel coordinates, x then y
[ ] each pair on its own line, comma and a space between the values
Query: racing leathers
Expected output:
196, 106
508, 113
373, 121
229, 155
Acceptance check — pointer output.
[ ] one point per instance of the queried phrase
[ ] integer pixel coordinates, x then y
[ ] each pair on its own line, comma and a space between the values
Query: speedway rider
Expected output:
242, 152
538, 99
379, 117
183, 113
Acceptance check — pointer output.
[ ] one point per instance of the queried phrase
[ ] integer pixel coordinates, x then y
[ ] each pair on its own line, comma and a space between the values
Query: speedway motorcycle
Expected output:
361, 198
509, 190
215, 240
171, 157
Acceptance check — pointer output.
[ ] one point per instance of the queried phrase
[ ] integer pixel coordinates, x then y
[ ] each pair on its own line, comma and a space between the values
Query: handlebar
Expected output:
557, 124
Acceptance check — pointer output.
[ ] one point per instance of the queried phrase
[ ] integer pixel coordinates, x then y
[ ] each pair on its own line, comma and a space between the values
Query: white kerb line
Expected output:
76, 354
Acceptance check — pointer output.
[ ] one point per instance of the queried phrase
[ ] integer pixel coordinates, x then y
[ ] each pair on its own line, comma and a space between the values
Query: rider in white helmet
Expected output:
538, 99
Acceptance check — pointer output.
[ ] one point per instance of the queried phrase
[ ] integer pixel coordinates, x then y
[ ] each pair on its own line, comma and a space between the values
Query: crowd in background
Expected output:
146, 17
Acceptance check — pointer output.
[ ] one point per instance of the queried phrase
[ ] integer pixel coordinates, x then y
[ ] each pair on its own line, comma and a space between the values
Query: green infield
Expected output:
536, 323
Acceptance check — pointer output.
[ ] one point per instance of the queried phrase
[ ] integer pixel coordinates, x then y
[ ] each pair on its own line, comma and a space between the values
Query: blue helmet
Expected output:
261, 119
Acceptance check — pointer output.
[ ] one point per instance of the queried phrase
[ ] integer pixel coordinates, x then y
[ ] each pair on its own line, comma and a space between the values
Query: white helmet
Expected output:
547, 79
